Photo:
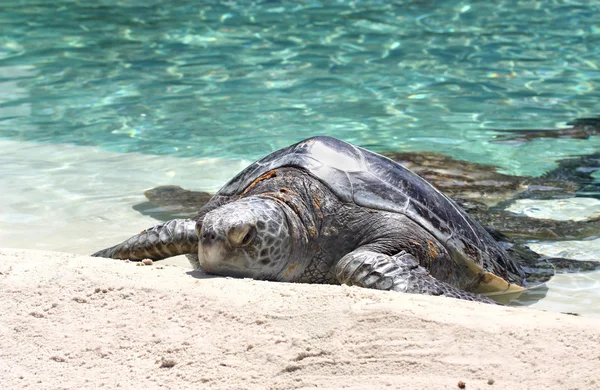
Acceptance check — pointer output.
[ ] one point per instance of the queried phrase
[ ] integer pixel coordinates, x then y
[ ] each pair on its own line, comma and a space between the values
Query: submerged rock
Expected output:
581, 128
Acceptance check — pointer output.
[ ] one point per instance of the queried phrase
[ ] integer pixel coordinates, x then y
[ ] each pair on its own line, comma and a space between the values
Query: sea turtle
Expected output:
326, 211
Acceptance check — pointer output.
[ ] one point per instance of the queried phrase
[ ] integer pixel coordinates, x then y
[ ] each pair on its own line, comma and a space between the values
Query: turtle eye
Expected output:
241, 235
248, 237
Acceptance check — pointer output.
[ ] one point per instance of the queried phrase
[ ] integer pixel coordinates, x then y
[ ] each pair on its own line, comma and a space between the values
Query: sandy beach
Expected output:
76, 322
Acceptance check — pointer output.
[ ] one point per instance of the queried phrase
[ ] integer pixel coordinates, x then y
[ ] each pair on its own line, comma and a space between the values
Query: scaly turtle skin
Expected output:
325, 211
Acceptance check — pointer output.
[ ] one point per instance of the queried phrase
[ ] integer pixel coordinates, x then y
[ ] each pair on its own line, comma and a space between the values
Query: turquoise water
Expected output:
237, 79
87, 86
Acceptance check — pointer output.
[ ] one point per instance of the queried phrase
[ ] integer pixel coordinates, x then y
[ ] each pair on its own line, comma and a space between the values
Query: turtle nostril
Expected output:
208, 237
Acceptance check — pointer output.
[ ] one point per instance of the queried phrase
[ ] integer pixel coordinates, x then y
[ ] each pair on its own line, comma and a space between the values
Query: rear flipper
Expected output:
401, 272
172, 238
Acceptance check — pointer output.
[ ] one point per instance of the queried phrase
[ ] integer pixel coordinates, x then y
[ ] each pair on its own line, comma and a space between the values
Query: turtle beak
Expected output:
211, 249
215, 250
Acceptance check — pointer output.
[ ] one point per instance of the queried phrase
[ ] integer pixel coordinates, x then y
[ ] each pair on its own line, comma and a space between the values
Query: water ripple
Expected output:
201, 79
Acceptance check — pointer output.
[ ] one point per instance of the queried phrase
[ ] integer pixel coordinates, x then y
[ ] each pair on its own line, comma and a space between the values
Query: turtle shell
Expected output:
356, 175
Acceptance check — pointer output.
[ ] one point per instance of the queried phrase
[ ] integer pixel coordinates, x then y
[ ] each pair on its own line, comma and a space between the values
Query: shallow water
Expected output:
100, 100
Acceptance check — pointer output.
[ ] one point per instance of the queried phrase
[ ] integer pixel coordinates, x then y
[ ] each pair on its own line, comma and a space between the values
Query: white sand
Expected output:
75, 322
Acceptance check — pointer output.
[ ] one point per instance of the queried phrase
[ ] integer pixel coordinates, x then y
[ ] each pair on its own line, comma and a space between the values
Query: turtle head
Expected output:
248, 238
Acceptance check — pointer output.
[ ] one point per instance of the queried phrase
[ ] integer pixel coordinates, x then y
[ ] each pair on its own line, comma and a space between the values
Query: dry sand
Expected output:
75, 322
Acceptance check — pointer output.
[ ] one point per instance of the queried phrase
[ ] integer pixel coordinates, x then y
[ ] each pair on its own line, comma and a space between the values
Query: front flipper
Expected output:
172, 238
401, 272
